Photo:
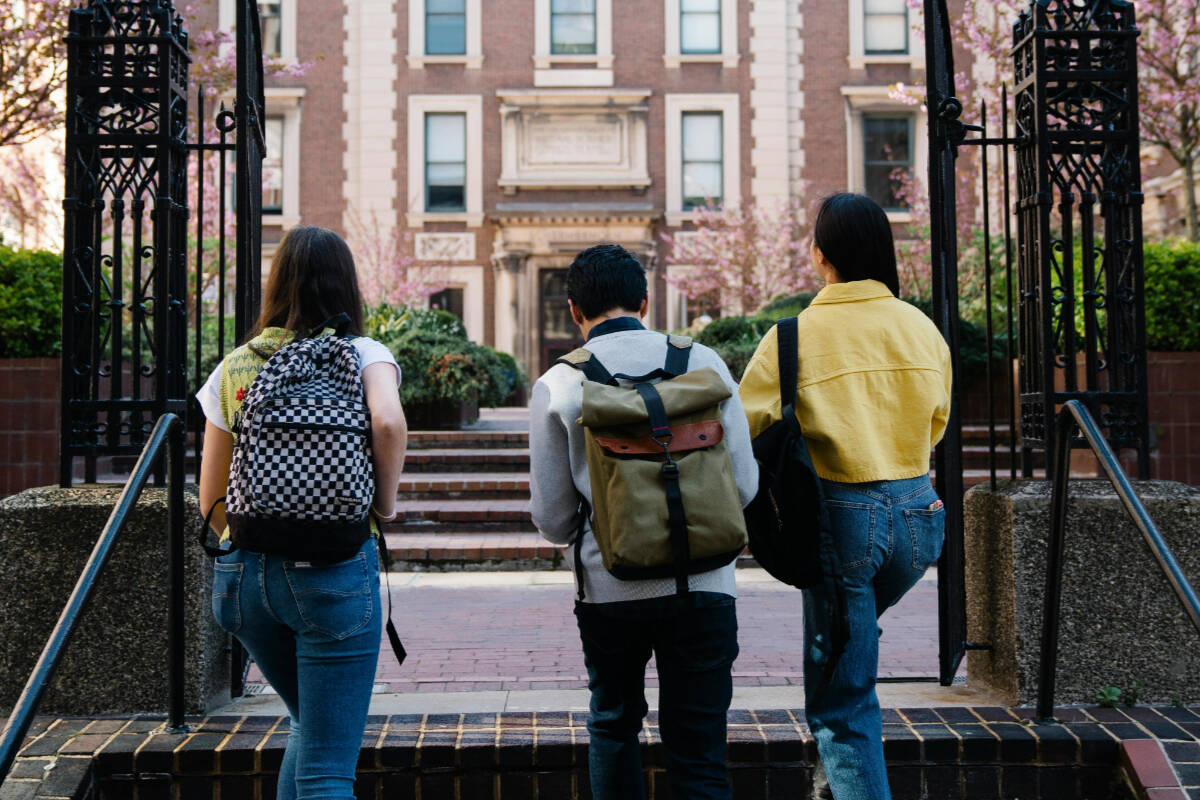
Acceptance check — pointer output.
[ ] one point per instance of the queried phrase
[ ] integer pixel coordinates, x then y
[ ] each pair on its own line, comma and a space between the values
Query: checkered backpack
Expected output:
301, 481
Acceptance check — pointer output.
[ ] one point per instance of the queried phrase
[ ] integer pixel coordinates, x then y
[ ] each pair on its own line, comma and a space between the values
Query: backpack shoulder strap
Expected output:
789, 360
679, 348
586, 362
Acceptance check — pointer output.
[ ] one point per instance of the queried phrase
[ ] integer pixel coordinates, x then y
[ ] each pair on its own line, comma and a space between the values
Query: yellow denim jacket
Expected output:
873, 393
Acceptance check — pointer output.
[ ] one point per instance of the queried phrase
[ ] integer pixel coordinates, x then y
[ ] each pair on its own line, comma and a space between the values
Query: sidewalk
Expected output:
481, 641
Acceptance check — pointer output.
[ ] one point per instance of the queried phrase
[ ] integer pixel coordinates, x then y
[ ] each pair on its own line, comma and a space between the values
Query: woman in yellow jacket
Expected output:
873, 397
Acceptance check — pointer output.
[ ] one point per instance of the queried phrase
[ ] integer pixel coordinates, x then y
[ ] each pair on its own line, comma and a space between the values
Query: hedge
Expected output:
30, 303
1173, 296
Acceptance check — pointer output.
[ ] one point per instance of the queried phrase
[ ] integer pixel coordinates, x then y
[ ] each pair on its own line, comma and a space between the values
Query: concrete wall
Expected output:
1120, 620
116, 661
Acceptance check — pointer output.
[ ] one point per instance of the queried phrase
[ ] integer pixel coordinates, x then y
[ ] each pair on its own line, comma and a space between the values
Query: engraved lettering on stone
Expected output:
444, 246
581, 140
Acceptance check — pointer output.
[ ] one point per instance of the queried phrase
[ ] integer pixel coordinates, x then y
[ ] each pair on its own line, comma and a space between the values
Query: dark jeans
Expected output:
694, 640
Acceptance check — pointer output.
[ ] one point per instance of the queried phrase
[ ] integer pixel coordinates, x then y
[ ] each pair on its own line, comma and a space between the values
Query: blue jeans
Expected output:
694, 641
314, 630
887, 534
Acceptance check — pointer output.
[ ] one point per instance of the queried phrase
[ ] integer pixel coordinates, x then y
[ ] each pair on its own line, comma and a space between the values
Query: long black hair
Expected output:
853, 232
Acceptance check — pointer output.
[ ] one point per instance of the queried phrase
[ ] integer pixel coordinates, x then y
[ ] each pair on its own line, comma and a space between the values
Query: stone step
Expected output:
472, 440
445, 516
467, 460
449, 551
463, 486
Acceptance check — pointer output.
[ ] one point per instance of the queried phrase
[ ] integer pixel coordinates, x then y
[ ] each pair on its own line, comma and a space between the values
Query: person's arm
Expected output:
389, 433
759, 389
554, 499
737, 439
941, 413
214, 473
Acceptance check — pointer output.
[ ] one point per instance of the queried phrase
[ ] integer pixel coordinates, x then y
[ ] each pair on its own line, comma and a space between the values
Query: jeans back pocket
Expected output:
853, 529
927, 527
226, 595
333, 599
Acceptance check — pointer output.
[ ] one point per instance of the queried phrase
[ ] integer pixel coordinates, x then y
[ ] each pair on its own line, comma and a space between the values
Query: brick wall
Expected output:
1174, 400
29, 399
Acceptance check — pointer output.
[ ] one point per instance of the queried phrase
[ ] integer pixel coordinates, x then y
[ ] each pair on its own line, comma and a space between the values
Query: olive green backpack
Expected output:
665, 502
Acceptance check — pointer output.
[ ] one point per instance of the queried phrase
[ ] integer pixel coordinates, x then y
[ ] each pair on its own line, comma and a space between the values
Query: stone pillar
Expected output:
511, 305
1120, 620
116, 662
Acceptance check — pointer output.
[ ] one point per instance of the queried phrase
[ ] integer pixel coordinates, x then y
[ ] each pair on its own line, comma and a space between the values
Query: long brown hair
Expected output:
312, 279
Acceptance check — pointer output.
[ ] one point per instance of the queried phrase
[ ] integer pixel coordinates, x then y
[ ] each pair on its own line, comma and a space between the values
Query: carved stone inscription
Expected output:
444, 246
574, 139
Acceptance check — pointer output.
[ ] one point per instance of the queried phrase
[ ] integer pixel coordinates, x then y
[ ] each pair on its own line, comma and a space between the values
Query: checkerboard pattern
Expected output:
303, 449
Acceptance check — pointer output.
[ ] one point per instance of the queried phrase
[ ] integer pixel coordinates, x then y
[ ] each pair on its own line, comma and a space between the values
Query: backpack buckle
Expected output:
670, 470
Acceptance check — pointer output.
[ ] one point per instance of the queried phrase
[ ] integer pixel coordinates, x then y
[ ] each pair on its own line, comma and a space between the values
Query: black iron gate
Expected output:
1074, 135
126, 209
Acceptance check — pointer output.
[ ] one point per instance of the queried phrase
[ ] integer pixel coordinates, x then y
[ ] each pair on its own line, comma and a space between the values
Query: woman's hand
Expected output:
389, 435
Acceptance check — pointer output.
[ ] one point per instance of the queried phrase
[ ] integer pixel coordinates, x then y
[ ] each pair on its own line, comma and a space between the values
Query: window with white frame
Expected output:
703, 152
445, 159
270, 17
700, 31
273, 165
445, 32
699, 27
702, 159
446, 162
574, 38
573, 27
887, 147
885, 27
445, 27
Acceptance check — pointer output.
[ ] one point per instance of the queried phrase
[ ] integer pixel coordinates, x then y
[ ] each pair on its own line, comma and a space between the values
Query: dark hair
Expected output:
605, 277
312, 279
854, 234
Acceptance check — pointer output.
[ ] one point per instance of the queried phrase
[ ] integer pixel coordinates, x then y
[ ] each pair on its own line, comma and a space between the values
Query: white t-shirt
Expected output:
369, 352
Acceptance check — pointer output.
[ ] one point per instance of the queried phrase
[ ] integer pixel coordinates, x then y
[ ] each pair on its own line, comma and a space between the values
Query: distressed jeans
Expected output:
887, 534
314, 631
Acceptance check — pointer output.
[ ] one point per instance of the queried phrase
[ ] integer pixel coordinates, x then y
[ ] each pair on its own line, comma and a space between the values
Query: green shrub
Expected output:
1173, 296
787, 306
30, 303
439, 363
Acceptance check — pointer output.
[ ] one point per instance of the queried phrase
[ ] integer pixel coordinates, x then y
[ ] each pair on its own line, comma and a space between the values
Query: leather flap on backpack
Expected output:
619, 405
690, 436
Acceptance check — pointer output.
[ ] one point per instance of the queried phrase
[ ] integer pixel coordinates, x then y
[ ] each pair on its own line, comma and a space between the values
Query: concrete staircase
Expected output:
464, 502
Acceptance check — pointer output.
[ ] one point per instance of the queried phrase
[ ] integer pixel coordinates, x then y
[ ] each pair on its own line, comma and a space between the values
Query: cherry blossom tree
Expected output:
1169, 88
741, 257
33, 67
387, 270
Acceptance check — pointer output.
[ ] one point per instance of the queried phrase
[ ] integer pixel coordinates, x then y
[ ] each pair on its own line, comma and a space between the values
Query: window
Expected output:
270, 16
703, 167
445, 27
448, 300
445, 162
573, 27
272, 166
885, 27
445, 159
887, 146
699, 27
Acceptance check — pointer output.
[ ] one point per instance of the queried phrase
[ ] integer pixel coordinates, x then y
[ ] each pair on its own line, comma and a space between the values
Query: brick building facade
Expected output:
505, 135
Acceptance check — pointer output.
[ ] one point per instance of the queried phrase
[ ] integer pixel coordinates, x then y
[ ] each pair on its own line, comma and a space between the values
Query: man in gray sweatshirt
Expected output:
693, 636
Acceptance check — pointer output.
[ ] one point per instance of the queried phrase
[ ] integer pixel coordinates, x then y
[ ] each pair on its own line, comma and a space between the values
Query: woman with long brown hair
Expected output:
313, 627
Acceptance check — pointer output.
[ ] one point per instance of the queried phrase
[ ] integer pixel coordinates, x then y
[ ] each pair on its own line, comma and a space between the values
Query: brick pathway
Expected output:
513, 631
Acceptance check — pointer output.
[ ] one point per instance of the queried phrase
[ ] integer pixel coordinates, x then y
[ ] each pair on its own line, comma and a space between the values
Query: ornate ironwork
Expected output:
124, 270
1082, 326
251, 149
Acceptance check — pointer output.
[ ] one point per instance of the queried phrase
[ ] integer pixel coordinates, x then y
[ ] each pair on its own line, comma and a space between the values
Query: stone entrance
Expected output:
533, 246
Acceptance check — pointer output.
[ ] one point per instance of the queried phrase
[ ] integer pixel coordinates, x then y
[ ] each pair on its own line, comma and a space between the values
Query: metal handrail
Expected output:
1075, 415
168, 429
